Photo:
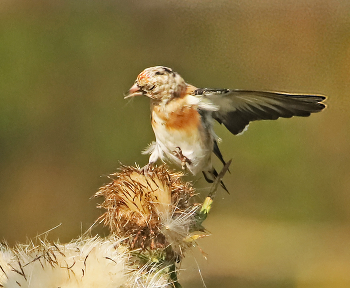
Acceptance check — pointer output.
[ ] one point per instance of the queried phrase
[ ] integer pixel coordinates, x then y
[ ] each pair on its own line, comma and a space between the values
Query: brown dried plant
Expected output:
151, 210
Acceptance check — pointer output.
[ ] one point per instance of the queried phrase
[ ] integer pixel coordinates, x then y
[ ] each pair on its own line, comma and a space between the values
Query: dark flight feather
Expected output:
239, 107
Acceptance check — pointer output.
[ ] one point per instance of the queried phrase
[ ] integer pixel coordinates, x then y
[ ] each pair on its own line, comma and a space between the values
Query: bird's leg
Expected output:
146, 170
178, 153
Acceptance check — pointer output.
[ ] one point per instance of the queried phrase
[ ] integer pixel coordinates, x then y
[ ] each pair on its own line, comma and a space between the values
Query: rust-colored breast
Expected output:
186, 118
178, 117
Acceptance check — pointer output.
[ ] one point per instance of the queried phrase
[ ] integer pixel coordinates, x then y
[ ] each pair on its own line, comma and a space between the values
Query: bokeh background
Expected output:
64, 125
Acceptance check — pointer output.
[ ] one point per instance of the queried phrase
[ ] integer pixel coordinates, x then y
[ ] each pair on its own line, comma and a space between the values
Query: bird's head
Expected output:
158, 83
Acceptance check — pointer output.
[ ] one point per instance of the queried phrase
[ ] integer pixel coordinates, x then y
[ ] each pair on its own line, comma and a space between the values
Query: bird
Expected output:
183, 116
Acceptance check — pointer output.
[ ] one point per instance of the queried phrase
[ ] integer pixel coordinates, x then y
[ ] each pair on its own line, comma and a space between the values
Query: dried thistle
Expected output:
152, 210
85, 262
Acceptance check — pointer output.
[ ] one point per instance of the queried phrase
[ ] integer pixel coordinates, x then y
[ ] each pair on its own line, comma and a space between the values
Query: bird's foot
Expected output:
146, 170
184, 160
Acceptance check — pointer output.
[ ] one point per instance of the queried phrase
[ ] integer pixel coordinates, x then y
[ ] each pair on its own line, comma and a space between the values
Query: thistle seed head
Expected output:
151, 210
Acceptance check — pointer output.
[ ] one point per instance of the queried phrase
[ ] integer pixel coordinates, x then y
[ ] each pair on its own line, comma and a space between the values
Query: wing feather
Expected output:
236, 108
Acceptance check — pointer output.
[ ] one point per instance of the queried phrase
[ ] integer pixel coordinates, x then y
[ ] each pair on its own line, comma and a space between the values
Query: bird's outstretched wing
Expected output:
236, 108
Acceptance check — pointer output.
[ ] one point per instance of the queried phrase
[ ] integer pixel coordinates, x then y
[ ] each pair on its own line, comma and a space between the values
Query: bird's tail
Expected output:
211, 175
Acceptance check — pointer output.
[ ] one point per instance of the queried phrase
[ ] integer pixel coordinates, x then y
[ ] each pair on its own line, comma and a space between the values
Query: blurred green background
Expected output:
64, 125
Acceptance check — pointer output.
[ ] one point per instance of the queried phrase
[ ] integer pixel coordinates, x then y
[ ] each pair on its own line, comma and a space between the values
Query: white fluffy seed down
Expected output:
90, 262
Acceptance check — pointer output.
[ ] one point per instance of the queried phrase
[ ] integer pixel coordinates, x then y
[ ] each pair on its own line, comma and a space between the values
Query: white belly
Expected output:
196, 147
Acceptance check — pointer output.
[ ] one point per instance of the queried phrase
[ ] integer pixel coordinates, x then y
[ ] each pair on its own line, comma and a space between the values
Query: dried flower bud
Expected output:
151, 210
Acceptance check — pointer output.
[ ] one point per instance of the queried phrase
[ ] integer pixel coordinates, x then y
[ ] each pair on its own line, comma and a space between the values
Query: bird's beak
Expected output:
134, 91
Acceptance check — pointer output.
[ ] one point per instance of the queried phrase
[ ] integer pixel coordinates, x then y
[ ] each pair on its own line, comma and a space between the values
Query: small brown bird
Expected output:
183, 116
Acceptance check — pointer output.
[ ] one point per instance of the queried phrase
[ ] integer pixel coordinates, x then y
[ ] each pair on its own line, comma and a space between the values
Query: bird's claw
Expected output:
184, 160
146, 170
